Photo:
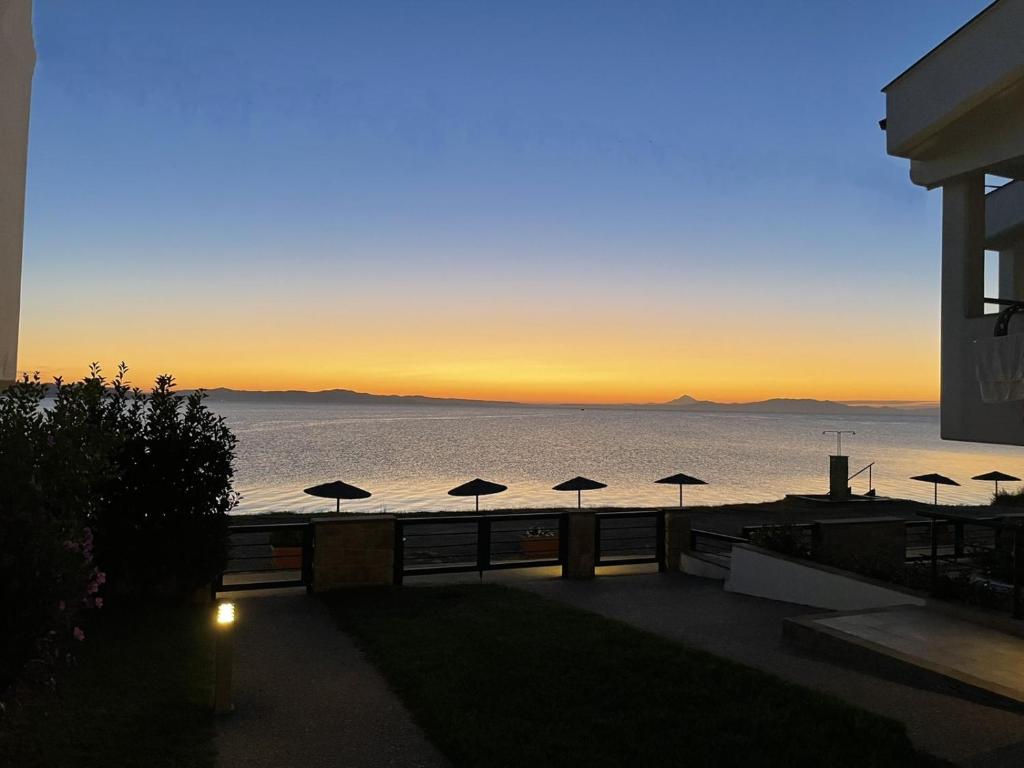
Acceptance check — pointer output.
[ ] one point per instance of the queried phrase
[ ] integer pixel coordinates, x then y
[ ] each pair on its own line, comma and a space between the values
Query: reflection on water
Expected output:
409, 456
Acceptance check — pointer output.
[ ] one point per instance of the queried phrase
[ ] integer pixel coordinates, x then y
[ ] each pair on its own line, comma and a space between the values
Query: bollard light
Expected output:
224, 660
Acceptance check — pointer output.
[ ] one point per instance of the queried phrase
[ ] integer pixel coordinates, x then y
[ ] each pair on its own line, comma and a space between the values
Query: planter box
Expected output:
286, 558
539, 547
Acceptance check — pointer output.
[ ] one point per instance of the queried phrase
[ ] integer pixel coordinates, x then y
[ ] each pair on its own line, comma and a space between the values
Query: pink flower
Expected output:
60, 605
101, 577
99, 602
93, 588
78, 633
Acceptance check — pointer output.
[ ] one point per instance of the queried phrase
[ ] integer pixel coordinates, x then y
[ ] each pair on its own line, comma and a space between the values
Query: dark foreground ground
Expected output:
500, 677
139, 694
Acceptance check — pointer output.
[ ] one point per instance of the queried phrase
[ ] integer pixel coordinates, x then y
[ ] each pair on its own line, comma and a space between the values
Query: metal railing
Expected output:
714, 543
628, 538
867, 469
995, 558
467, 543
266, 556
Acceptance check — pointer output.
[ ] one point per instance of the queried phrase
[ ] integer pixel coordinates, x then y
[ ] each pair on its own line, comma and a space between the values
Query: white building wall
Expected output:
17, 62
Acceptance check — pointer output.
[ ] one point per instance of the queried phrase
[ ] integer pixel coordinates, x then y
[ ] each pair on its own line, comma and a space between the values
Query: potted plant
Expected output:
539, 543
286, 553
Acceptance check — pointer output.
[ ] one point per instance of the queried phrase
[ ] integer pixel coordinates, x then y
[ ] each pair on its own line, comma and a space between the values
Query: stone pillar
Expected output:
963, 289
838, 476
871, 546
17, 61
677, 539
353, 551
580, 549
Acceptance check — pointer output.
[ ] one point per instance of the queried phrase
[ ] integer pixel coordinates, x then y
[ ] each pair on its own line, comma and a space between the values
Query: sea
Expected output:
408, 456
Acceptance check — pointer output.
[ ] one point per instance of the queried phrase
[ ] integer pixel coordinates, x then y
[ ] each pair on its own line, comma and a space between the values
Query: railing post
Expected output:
563, 539
483, 545
935, 553
581, 535
307, 557
659, 541
1018, 612
597, 541
399, 561
958, 541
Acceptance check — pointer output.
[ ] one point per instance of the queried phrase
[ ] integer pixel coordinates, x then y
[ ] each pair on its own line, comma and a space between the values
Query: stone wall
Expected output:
354, 551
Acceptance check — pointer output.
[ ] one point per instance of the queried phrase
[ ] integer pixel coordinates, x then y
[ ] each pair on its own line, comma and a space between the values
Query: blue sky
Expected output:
196, 163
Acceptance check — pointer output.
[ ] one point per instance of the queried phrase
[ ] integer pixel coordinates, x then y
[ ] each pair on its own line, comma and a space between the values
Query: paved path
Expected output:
749, 630
305, 696
983, 657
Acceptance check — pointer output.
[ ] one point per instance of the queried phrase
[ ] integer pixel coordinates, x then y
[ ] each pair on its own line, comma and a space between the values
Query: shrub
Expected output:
47, 576
785, 539
162, 528
1009, 498
146, 475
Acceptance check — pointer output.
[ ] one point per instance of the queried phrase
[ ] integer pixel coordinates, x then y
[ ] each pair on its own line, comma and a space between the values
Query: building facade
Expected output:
958, 116
17, 63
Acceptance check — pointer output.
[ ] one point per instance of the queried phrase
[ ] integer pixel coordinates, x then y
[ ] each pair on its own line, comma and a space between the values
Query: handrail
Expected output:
869, 466
715, 536
264, 527
471, 518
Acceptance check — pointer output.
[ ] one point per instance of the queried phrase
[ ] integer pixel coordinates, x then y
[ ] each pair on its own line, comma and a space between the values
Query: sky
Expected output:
536, 201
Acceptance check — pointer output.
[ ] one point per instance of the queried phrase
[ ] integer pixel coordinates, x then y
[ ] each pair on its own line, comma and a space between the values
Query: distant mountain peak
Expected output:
684, 400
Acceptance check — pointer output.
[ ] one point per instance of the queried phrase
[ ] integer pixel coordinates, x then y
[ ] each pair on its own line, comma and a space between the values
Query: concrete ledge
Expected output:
704, 566
763, 573
807, 634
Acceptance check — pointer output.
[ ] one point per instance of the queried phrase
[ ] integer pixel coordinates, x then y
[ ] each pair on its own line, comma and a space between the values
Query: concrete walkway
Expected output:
305, 696
748, 629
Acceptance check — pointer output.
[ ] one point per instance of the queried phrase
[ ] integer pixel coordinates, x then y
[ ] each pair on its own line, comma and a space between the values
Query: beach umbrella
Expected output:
936, 480
337, 491
680, 479
477, 488
997, 477
579, 484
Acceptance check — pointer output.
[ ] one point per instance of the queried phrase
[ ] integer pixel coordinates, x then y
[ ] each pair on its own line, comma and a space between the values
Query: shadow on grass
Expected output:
501, 677
139, 695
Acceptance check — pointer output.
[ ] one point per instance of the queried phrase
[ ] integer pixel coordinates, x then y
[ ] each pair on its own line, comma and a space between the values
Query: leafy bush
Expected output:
1009, 498
106, 484
785, 539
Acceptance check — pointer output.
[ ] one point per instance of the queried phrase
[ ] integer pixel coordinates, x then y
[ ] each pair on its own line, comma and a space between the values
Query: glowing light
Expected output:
226, 613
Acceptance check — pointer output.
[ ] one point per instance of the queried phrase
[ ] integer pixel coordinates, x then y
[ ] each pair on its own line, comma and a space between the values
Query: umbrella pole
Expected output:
936, 494
579, 499
337, 506
680, 495
477, 503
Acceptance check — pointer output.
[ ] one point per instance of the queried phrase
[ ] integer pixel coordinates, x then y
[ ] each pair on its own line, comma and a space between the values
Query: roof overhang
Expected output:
959, 109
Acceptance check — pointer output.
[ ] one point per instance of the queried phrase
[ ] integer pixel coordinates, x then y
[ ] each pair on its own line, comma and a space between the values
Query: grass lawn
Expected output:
501, 677
139, 695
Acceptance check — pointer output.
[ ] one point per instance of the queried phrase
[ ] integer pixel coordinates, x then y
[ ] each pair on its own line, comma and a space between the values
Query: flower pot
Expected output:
539, 547
286, 558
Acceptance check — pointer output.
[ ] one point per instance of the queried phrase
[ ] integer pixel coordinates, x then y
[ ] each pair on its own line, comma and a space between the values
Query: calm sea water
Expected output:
409, 456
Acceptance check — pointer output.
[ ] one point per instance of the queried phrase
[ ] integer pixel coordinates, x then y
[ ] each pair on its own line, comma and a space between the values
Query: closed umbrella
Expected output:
936, 480
579, 484
680, 479
477, 488
337, 491
997, 477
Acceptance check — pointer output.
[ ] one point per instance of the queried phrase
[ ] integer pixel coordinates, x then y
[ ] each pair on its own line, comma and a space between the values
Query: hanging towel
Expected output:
999, 365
